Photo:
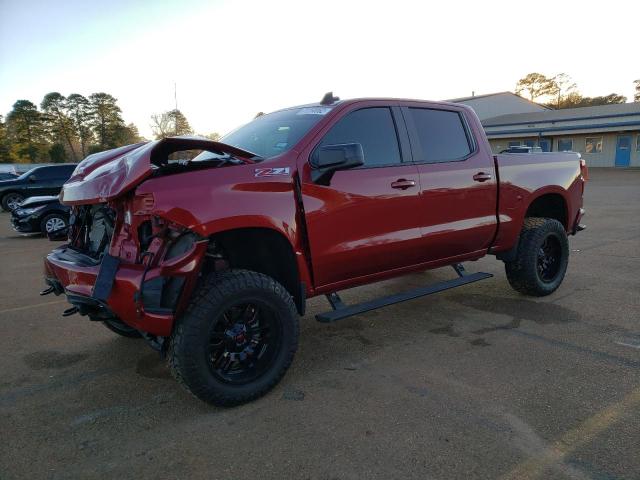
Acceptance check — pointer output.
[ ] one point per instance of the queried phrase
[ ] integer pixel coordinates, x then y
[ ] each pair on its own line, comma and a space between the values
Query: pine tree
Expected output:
59, 124
26, 132
79, 110
106, 119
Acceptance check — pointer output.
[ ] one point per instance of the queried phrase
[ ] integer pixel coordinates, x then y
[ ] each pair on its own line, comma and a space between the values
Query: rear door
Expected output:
366, 221
458, 180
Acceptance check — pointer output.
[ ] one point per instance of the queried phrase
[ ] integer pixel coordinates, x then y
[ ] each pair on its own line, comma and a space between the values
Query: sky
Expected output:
232, 59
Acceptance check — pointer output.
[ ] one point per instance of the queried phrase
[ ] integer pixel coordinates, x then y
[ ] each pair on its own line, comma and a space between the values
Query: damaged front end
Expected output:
135, 268
124, 262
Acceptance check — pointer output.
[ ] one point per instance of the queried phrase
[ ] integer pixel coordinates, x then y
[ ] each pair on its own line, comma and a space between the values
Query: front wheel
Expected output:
237, 338
542, 258
52, 223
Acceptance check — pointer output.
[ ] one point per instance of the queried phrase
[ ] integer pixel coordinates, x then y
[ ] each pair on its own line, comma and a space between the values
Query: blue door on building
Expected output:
623, 151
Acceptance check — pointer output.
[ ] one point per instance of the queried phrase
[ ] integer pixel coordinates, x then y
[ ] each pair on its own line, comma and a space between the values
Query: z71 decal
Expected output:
271, 172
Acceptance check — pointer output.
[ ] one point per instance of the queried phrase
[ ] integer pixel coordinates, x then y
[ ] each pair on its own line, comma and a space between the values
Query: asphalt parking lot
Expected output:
477, 382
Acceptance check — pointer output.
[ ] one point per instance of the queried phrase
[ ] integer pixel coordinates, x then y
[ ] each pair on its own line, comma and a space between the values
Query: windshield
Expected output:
275, 133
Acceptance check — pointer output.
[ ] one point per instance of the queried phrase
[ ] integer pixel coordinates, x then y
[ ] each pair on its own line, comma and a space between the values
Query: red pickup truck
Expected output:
211, 260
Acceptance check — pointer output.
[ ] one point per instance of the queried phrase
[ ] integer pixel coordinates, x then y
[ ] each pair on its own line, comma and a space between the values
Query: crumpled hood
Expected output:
103, 176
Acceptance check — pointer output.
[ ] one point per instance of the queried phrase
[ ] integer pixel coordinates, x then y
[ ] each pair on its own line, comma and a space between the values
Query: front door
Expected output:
623, 151
366, 220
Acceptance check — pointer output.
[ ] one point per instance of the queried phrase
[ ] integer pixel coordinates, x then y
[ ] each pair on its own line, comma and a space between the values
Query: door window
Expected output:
374, 129
442, 135
624, 143
53, 173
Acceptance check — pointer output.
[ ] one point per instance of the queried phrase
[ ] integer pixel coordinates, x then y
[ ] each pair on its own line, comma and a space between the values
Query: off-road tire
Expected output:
219, 291
5, 200
523, 272
121, 328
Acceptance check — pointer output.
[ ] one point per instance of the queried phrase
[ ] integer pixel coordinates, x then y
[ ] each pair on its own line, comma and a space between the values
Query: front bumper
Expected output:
27, 224
75, 274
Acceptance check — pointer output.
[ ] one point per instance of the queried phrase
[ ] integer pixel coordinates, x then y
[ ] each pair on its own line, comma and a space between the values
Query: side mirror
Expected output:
32, 178
328, 159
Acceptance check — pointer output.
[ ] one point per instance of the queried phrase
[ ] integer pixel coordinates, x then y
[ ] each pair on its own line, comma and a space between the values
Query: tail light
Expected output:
583, 169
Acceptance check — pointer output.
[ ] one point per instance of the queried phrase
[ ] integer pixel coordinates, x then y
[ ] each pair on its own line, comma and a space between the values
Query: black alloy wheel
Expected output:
549, 258
243, 344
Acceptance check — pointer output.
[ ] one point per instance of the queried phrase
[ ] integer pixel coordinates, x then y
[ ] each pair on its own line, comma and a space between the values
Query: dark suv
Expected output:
36, 182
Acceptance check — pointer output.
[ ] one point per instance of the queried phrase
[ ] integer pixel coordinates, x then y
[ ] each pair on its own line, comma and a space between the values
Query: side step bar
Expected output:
341, 310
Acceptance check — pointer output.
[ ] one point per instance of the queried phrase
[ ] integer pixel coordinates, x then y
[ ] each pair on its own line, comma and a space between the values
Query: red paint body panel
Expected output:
525, 177
357, 230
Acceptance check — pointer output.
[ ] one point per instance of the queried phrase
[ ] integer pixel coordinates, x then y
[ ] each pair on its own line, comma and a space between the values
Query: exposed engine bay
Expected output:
92, 228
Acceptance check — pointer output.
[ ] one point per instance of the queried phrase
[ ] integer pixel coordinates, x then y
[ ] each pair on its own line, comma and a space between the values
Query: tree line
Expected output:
560, 91
67, 129
63, 128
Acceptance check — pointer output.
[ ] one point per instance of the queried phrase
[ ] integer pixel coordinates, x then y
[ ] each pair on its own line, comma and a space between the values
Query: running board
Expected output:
340, 310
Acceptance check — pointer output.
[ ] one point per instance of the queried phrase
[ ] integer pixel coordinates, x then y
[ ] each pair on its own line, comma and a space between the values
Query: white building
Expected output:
501, 103
606, 135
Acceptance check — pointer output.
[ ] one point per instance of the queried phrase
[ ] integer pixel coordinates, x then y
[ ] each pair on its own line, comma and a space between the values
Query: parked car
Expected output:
7, 176
44, 215
36, 182
212, 260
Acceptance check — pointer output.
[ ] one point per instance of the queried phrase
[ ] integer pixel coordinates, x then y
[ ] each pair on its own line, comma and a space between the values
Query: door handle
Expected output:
482, 177
403, 184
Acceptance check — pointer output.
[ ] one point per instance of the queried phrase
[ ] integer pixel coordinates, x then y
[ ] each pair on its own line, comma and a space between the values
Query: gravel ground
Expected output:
476, 382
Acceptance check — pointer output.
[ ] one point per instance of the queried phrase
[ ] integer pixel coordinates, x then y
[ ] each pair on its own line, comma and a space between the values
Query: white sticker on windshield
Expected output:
314, 111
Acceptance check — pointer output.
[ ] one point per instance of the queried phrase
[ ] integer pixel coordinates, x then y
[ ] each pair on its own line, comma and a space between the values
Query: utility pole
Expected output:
175, 93
175, 112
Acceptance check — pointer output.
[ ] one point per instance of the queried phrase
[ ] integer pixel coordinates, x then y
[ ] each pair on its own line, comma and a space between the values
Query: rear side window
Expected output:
65, 172
54, 173
374, 129
442, 135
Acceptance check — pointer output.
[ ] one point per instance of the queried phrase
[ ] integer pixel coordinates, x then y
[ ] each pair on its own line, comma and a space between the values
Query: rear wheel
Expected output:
237, 338
11, 201
542, 258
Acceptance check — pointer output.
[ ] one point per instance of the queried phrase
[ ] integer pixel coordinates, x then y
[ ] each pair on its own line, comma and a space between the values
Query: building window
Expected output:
514, 144
638, 144
545, 145
565, 145
593, 145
